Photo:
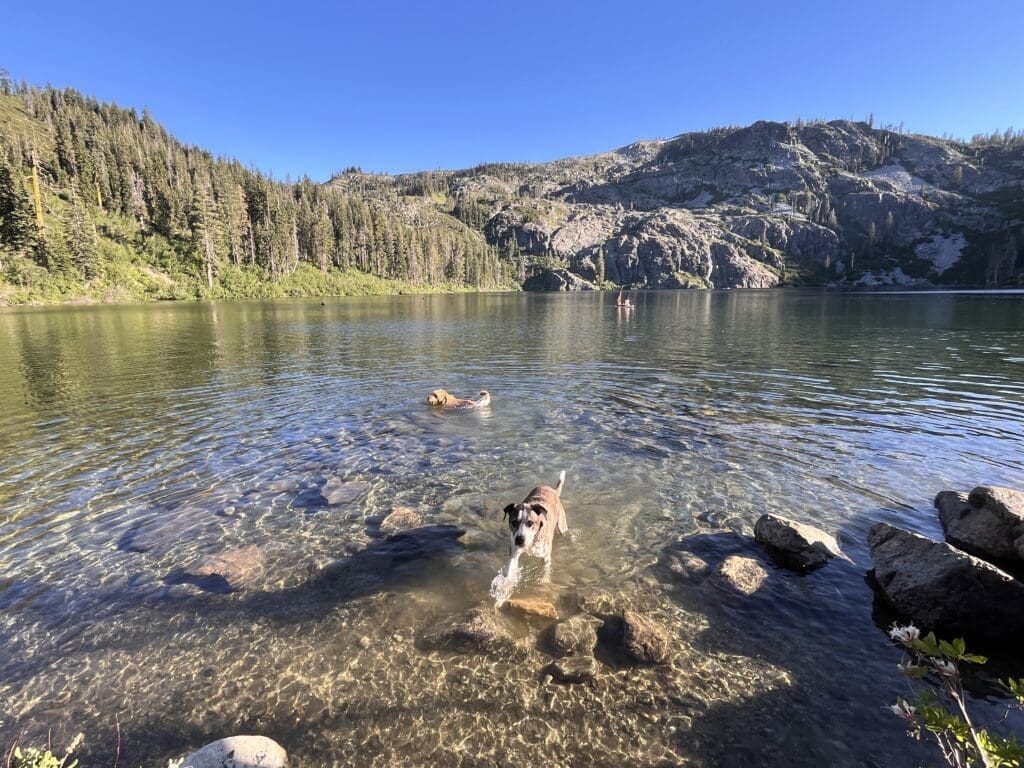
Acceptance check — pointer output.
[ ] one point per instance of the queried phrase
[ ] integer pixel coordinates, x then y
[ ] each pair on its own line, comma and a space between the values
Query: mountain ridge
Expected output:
819, 203
127, 212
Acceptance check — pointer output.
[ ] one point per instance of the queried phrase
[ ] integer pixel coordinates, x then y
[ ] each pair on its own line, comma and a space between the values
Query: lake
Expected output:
135, 440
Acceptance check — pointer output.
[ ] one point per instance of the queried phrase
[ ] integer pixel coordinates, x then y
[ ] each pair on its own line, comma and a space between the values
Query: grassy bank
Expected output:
154, 273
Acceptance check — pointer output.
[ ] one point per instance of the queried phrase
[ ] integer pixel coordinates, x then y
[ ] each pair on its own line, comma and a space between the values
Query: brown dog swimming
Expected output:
442, 398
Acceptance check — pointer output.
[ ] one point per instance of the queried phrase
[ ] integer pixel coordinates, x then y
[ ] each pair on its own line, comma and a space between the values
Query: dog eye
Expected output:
529, 523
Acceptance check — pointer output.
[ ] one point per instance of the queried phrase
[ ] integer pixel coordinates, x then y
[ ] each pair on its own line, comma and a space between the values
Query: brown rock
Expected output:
532, 607
226, 571
401, 519
795, 545
644, 638
480, 630
573, 669
338, 492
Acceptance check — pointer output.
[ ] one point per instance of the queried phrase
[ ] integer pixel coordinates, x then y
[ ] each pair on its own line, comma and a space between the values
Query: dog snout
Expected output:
519, 540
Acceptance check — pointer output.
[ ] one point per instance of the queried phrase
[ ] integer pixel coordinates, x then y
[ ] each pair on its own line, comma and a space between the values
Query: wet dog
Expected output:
532, 524
441, 398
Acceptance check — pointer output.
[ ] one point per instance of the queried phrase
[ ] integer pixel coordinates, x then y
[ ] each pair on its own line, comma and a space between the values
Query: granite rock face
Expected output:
771, 203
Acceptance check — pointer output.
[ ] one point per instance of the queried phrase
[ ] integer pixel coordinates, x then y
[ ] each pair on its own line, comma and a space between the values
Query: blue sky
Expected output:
309, 88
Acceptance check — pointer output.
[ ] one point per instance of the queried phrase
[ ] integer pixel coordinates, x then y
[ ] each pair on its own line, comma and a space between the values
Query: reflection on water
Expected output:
137, 440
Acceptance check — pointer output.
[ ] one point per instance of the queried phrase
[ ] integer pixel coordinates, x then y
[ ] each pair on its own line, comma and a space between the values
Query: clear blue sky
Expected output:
308, 88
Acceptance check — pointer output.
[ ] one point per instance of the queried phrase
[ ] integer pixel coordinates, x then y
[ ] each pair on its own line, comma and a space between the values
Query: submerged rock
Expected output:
987, 523
580, 668
795, 545
744, 574
479, 630
574, 636
227, 571
532, 607
941, 587
239, 752
337, 492
644, 638
401, 519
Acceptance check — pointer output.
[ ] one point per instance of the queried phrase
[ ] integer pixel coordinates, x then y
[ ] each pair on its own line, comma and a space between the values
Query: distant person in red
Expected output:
624, 303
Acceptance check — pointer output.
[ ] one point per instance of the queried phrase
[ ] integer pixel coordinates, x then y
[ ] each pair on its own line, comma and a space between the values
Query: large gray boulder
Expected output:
795, 545
239, 752
988, 523
943, 588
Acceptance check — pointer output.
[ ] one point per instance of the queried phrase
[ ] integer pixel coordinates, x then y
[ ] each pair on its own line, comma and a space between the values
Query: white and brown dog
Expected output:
532, 524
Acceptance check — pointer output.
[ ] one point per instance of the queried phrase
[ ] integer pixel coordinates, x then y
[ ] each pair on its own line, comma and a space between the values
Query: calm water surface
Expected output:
135, 440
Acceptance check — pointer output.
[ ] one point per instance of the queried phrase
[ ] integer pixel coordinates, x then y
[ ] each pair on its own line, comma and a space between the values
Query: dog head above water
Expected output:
439, 397
483, 399
525, 521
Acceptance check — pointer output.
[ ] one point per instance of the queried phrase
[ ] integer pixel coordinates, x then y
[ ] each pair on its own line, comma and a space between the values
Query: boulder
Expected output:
480, 630
644, 638
580, 668
987, 523
238, 752
574, 636
943, 588
744, 574
795, 545
401, 519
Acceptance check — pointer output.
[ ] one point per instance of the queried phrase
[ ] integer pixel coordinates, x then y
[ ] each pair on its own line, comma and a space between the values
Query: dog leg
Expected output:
546, 577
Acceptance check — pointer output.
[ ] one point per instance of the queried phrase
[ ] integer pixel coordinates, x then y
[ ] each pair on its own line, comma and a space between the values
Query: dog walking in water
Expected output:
532, 524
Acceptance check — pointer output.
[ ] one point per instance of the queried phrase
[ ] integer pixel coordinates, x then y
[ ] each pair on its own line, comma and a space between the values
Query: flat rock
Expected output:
987, 523
480, 630
688, 566
401, 519
575, 636
644, 638
239, 752
580, 668
337, 492
795, 545
226, 571
532, 607
943, 588
744, 574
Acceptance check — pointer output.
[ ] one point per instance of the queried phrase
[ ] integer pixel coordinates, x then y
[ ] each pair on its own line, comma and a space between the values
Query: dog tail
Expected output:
561, 482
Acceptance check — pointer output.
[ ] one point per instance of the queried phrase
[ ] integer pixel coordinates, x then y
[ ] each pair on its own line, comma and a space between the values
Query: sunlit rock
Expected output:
239, 752
795, 545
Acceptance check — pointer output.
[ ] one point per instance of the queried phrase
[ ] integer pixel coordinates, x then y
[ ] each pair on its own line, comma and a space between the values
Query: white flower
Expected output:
947, 668
907, 634
902, 709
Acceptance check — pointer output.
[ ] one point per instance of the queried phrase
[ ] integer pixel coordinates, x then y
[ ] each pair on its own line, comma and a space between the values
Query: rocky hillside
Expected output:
771, 204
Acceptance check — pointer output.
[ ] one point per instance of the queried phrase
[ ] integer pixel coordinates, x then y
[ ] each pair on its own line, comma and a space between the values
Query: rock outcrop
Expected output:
795, 545
239, 752
943, 588
768, 204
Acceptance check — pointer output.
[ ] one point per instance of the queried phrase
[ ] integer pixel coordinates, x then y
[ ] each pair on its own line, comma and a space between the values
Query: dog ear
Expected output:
509, 509
539, 509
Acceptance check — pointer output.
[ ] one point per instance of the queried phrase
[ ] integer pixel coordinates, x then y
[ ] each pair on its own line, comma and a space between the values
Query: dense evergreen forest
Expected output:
100, 202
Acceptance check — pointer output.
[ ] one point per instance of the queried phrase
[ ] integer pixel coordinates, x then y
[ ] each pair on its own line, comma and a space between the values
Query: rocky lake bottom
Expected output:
227, 518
